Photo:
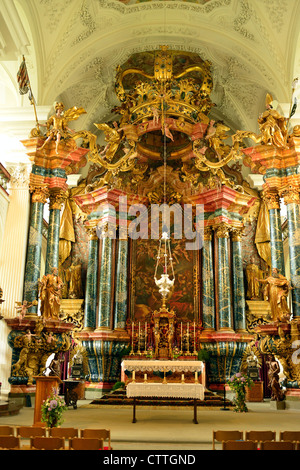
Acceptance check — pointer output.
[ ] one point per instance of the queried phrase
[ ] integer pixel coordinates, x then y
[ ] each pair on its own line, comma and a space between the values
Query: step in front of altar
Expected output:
119, 398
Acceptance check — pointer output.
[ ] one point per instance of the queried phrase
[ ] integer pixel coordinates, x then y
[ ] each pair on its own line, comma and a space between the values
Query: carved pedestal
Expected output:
255, 393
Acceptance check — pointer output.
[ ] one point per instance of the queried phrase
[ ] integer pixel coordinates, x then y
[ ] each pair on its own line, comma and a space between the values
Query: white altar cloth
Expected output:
162, 365
168, 390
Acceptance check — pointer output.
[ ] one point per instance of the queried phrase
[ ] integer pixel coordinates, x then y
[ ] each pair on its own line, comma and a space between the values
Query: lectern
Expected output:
44, 388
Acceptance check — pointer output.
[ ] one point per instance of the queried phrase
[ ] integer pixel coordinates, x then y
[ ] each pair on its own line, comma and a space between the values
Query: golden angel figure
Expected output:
272, 125
57, 124
216, 135
113, 137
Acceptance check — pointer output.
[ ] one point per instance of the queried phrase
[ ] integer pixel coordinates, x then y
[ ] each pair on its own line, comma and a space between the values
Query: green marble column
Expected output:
239, 302
224, 287
91, 282
52, 256
121, 286
276, 242
292, 201
105, 284
34, 247
208, 292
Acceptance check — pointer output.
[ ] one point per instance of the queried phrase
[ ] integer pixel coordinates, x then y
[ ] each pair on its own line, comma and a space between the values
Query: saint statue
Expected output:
272, 125
276, 290
50, 292
253, 274
73, 276
277, 393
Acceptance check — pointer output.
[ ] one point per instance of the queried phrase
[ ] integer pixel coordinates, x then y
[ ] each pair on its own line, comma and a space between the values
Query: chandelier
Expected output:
166, 281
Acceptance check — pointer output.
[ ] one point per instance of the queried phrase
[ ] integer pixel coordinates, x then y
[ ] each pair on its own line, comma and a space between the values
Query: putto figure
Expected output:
57, 124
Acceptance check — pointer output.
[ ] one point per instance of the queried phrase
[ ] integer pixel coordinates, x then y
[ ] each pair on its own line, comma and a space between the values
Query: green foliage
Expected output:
203, 355
239, 381
118, 385
52, 410
124, 352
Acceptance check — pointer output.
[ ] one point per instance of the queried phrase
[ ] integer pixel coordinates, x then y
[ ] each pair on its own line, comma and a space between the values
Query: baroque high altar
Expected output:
99, 285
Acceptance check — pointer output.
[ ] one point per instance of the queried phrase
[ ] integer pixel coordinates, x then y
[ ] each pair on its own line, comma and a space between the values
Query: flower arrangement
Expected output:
52, 409
238, 383
176, 352
150, 352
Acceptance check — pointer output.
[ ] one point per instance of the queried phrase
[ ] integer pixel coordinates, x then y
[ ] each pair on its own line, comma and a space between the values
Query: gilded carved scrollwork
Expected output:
272, 199
290, 195
222, 231
39, 193
284, 346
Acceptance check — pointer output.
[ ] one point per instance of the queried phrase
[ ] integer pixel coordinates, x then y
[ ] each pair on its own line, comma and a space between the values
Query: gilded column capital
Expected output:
207, 233
272, 199
290, 195
39, 193
222, 231
106, 230
92, 232
56, 200
237, 234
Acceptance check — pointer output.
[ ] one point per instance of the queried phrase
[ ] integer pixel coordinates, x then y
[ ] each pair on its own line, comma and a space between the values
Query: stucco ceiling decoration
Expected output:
93, 37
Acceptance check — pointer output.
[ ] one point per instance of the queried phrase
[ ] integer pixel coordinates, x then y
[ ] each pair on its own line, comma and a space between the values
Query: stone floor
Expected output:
168, 428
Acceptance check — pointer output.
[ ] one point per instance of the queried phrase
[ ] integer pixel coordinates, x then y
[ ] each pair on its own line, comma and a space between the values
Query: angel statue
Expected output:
216, 134
57, 124
113, 137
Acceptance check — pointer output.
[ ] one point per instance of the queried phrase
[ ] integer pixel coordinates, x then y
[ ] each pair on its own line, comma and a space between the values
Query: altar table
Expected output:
165, 390
157, 365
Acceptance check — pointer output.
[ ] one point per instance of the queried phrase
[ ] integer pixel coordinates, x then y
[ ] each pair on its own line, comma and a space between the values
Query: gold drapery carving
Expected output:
262, 235
67, 234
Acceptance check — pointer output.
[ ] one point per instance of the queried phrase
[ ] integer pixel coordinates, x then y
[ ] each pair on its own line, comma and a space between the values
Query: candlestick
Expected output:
145, 377
196, 377
133, 376
145, 337
132, 337
181, 338
182, 378
195, 351
188, 339
139, 338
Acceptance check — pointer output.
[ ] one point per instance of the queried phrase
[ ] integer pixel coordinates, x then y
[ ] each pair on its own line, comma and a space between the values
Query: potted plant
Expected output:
238, 383
52, 410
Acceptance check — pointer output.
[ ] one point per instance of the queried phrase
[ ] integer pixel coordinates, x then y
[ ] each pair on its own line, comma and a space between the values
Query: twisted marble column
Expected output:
91, 281
224, 287
292, 201
208, 292
277, 257
239, 302
34, 247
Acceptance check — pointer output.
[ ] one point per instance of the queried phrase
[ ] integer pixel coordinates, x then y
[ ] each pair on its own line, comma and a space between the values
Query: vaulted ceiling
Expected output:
72, 49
